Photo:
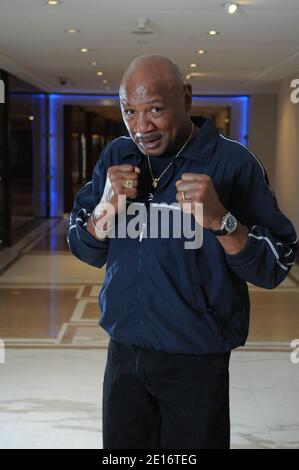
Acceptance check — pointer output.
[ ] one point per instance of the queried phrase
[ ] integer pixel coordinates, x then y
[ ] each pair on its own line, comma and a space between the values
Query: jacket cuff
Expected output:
88, 240
244, 255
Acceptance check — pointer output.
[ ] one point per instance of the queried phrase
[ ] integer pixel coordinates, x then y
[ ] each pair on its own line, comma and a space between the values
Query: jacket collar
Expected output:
200, 148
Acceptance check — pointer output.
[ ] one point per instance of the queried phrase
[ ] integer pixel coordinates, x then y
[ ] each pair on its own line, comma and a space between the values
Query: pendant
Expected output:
155, 182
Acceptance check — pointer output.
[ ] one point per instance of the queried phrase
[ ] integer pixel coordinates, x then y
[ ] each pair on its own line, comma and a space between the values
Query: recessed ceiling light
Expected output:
31, 118
54, 3
72, 30
201, 51
99, 73
193, 66
84, 49
105, 81
231, 8
93, 64
213, 32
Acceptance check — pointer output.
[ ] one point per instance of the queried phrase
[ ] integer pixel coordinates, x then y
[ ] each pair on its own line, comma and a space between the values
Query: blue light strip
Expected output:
85, 97
243, 100
53, 164
27, 93
55, 99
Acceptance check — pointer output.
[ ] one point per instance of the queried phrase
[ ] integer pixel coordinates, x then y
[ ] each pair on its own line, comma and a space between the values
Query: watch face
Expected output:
231, 223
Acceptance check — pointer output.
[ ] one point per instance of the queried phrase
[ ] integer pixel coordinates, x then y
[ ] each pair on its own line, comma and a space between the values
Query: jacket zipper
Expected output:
143, 227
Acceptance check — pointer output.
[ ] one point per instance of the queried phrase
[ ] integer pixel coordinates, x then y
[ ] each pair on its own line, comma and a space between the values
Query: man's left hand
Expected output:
199, 188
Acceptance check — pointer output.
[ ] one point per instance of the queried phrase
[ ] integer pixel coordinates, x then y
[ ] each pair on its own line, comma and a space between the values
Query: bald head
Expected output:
152, 70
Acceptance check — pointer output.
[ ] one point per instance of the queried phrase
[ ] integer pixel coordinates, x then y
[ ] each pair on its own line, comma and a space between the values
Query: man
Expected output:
174, 314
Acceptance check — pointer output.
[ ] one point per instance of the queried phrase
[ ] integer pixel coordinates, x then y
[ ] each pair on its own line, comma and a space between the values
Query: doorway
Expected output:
87, 130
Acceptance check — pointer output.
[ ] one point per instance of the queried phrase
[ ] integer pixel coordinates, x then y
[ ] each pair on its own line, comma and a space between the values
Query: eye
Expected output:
156, 109
129, 112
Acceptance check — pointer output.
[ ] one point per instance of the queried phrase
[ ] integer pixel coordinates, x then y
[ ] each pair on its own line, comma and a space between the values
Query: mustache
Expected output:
147, 137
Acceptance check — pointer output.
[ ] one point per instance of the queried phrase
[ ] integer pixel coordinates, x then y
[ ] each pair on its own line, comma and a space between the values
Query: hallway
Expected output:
56, 353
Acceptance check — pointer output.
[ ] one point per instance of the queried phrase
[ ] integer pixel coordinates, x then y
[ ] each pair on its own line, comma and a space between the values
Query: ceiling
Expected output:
256, 48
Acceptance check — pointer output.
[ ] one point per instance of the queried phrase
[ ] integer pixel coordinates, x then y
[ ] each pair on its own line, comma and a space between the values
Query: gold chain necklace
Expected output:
155, 181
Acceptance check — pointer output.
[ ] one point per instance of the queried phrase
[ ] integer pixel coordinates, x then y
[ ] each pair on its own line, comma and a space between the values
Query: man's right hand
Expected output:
118, 175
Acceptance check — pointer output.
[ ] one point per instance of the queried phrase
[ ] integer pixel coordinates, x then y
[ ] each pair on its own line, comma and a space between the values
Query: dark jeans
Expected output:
157, 400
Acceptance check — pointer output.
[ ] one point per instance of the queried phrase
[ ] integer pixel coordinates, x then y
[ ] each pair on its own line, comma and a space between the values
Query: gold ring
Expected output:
129, 184
183, 196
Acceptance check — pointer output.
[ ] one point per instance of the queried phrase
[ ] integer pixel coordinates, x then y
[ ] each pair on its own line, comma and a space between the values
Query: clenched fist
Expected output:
113, 201
117, 177
198, 188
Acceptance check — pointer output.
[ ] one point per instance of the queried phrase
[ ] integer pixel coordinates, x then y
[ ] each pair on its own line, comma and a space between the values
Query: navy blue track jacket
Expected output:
157, 294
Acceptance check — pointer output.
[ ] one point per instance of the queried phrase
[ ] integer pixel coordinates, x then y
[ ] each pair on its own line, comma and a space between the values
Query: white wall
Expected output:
287, 156
262, 131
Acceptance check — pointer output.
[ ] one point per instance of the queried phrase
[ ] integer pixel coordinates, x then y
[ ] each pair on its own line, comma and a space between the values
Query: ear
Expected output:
187, 97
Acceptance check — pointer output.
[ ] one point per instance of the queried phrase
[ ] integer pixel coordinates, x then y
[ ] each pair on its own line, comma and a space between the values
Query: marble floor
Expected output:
52, 370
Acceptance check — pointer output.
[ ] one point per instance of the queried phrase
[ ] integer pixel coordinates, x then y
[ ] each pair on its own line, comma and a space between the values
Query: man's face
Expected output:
155, 114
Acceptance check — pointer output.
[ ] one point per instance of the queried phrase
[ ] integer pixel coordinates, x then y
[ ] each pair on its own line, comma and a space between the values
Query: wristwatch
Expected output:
229, 224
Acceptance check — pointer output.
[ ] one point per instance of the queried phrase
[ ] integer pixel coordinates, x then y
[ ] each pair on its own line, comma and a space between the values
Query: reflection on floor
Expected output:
48, 321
